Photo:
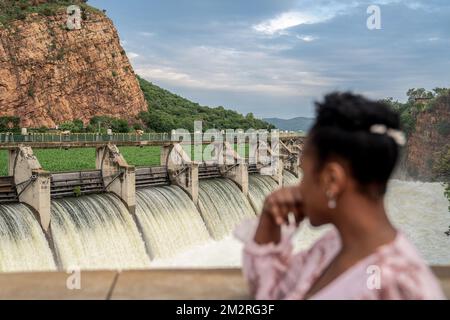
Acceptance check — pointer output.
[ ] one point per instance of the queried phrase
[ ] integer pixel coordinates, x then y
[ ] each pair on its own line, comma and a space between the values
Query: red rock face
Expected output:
426, 142
49, 75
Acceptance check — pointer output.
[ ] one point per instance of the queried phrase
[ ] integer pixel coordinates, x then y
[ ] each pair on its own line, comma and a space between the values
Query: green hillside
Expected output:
169, 111
11, 10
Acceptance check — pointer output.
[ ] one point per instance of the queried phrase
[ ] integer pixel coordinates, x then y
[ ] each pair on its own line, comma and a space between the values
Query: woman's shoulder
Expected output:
330, 241
323, 249
403, 272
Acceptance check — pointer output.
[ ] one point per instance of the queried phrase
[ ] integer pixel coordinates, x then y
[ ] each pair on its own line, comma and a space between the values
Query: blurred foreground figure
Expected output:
348, 159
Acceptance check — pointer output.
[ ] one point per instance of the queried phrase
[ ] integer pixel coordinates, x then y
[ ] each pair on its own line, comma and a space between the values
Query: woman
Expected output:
347, 161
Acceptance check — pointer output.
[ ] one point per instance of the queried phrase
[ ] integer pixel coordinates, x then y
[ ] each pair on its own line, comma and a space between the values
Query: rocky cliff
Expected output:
50, 74
429, 142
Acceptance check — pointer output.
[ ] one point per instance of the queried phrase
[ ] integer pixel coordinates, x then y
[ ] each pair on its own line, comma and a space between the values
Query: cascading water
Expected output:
169, 220
222, 206
289, 179
259, 187
420, 210
23, 246
96, 232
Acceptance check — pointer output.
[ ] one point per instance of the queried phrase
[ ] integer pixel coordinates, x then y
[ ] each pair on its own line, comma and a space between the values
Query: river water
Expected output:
419, 209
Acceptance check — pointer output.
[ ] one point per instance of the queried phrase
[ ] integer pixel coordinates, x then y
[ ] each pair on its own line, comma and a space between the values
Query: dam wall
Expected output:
32, 183
92, 227
118, 216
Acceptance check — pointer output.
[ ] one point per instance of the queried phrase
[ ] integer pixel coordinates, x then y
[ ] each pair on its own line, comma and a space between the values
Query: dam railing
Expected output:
82, 137
57, 140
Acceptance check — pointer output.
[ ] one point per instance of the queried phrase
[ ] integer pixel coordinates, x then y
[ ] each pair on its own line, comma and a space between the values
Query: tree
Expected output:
9, 124
409, 110
438, 92
78, 125
441, 167
75, 126
103, 123
414, 94
120, 125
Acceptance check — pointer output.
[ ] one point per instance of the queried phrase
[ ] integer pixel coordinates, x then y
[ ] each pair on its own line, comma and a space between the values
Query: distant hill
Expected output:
295, 124
167, 111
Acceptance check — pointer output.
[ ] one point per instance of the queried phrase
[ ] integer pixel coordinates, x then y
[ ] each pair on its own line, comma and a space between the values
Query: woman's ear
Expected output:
334, 178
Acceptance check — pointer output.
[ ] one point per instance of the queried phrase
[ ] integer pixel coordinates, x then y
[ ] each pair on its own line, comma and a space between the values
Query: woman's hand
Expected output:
281, 203
275, 213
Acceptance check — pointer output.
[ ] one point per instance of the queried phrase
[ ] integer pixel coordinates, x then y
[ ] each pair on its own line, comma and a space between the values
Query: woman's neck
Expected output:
363, 224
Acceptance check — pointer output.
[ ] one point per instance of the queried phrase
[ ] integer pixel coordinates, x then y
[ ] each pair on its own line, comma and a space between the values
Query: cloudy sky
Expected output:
276, 57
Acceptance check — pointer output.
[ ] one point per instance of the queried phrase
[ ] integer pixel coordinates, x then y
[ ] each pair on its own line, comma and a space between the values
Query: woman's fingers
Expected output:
282, 202
298, 207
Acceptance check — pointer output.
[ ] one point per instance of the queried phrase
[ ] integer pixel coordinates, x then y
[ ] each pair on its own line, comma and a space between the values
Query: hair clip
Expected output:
397, 135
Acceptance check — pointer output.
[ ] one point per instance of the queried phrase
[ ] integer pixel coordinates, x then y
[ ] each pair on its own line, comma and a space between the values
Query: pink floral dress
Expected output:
394, 271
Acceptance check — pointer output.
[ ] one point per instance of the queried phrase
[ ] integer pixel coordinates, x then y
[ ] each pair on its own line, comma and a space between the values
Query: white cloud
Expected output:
312, 12
146, 34
285, 21
132, 55
232, 70
306, 38
308, 12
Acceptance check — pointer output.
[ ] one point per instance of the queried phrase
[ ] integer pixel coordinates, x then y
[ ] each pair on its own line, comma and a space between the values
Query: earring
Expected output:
331, 200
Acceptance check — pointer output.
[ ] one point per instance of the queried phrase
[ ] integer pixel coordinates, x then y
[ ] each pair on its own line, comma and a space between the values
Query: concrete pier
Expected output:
164, 155
232, 165
269, 162
291, 158
32, 182
182, 171
118, 177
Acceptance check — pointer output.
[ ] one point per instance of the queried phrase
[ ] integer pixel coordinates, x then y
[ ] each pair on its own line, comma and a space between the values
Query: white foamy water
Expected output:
169, 220
23, 246
96, 232
225, 253
419, 209
289, 179
259, 187
222, 206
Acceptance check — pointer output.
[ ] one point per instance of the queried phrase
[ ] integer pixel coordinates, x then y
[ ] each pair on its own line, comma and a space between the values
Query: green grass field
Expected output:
59, 160
3, 163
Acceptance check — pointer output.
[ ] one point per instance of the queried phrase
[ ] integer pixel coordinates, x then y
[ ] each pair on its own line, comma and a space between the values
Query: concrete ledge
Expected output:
53, 286
197, 284
181, 285
443, 273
